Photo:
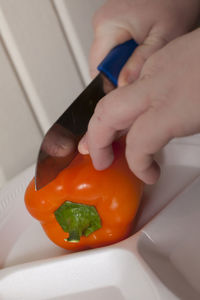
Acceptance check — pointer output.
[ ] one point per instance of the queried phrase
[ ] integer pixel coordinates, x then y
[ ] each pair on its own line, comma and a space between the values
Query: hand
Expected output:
162, 104
152, 23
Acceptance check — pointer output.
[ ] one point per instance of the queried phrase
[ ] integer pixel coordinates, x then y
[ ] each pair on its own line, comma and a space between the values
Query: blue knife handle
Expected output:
116, 59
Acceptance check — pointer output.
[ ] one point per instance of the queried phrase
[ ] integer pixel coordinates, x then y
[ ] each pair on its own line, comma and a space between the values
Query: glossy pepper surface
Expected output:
84, 208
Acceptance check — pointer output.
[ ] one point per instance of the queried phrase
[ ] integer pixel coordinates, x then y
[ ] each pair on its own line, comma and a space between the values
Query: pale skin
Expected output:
158, 97
159, 87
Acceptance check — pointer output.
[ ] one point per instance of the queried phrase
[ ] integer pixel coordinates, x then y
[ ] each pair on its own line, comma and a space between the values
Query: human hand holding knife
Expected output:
72, 124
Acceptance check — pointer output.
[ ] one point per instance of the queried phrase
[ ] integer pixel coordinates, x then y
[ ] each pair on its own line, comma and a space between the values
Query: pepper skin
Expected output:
114, 195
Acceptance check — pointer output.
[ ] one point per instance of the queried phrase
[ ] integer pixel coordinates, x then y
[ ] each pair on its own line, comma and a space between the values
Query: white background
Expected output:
44, 49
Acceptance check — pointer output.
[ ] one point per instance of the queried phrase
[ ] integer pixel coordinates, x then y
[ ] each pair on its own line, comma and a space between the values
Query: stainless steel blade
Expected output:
72, 125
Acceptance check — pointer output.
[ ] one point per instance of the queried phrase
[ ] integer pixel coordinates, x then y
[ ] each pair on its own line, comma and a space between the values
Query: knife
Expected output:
73, 123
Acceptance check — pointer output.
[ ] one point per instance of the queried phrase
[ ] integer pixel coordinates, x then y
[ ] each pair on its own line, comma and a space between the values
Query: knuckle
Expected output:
100, 110
134, 154
105, 107
157, 40
98, 116
145, 76
151, 66
141, 54
154, 65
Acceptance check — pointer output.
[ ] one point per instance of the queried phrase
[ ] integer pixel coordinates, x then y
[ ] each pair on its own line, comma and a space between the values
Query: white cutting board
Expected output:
160, 261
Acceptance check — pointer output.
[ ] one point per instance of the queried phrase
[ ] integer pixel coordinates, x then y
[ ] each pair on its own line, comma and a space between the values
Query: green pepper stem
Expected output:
77, 220
74, 236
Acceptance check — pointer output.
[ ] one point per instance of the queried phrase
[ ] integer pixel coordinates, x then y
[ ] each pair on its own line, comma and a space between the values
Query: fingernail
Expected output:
82, 146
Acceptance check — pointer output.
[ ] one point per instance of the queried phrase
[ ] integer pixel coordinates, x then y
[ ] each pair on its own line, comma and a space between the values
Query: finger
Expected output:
114, 113
132, 69
82, 146
149, 133
102, 45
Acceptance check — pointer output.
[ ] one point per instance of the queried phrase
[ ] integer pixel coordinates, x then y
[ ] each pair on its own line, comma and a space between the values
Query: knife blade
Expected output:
73, 123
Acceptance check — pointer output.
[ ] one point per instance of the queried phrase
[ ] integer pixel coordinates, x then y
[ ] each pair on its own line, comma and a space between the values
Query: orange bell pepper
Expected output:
84, 208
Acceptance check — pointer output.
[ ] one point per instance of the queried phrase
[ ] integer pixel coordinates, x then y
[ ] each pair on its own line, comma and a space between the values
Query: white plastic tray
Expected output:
160, 261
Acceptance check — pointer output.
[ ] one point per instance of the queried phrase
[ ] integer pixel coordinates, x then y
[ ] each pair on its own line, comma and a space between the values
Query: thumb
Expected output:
132, 69
102, 45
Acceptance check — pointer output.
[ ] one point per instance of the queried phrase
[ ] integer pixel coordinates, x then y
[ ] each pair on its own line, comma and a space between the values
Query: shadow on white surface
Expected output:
171, 244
